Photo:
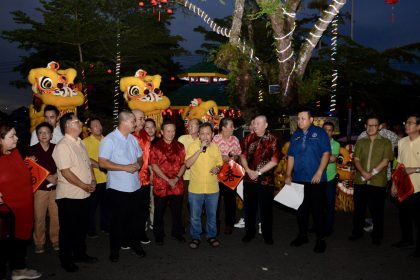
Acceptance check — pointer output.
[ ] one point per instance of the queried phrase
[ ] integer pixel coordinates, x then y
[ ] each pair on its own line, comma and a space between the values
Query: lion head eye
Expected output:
134, 91
45, 82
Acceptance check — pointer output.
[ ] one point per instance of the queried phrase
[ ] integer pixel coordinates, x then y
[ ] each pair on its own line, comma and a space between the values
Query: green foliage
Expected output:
83, 35
314, 86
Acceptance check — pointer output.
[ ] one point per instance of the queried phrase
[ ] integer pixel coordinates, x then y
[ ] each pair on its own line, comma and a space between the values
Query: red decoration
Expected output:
109, 71
392, 2
153, 2
231, 174
172, 78
141, 4
169, 11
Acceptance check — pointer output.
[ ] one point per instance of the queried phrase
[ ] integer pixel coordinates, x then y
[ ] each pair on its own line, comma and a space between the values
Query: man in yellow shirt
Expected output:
204, 160
98, 196
409, 209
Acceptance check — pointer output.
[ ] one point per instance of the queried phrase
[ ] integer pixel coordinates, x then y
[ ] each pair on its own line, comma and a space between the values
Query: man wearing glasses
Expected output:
371, 158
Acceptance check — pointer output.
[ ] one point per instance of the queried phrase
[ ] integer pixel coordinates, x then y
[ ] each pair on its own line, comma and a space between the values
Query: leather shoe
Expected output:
139, 251
247, 238
114, 257
299, 241
228, 230
70, 267
86, 259
403, 244
269, 241
355, 237
320, 246
180, 238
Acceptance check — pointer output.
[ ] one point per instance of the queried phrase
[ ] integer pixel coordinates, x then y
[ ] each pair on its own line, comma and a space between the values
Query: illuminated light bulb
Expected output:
141, 4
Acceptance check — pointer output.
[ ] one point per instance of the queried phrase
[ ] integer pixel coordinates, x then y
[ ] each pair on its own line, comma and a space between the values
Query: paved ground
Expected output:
235, 260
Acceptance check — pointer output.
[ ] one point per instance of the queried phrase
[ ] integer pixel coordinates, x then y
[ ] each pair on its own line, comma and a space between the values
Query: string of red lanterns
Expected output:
157, 5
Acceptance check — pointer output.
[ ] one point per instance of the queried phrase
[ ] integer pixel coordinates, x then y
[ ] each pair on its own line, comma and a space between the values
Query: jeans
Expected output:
196, 201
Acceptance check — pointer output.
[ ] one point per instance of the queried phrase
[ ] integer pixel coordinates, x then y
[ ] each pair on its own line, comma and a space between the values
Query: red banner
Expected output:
231, 174
38, 173
402, 183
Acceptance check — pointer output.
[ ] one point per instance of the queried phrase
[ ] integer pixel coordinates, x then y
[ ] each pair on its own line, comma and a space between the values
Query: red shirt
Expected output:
170, 158
258, 151
16, 187
144, 142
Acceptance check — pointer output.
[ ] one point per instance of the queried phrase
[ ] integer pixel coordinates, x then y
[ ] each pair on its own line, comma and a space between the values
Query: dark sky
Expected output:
373, 28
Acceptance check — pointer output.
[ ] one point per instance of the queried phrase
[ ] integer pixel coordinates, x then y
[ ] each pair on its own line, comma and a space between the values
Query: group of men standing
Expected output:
134, 166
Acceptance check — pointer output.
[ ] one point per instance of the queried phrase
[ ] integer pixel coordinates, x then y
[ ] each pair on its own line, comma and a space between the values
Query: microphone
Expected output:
204, 149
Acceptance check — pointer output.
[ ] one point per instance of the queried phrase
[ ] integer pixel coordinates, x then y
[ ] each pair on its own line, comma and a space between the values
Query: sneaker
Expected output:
151, 226
240, 224
39, 249
125, 247
145, 240
56, 247
368, 225
259, 228
25, 274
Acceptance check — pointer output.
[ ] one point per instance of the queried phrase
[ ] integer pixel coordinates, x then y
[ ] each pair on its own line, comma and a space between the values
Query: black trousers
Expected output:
124, 210
97, 198
257, 196
229, 200
314, 202
175, 204
410, 213
73, 219
12, 251
144, 200
373, 197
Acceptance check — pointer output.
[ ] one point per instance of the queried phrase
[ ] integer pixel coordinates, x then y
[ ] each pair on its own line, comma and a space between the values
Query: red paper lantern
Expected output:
153, 2
141, 4
172, 78
164, 1
169, 11
392, 2
109, 71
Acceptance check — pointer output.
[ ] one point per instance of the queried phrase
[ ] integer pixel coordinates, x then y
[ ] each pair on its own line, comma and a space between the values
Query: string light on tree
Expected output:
334, 32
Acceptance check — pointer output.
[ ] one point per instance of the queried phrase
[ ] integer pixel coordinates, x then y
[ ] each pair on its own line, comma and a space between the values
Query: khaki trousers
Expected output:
43, 201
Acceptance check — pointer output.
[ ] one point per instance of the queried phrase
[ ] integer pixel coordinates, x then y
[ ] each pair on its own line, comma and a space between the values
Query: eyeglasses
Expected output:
411, 123
75, 121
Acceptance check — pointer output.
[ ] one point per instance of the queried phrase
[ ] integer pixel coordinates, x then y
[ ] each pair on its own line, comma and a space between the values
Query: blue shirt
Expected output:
119, 149
307, 150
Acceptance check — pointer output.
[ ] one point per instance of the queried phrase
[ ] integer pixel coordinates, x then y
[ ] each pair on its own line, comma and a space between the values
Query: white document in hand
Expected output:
240, 189
291, 195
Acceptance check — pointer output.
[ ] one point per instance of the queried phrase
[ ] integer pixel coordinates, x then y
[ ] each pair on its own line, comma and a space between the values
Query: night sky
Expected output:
373, 28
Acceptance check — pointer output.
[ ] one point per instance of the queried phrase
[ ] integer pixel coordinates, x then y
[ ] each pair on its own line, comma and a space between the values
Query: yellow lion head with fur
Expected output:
52, 86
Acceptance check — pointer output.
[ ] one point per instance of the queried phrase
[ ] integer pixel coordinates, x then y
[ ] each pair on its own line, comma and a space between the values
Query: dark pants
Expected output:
97, 198
124, 210
73, 219
144, 209
175, 204
330, 205
257, 196
406, 220
314, 202
12, 251
374, 197
185, 206
229, 200
409, 211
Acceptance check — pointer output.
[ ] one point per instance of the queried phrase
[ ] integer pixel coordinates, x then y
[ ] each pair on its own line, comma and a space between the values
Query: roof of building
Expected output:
209, 91
204, 69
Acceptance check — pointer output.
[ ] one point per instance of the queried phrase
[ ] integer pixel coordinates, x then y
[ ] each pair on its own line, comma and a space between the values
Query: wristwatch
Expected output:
259, 173
418, 170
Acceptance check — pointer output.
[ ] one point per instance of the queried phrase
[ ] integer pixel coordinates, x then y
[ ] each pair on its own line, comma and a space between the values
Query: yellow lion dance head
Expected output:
52, 86
142, 92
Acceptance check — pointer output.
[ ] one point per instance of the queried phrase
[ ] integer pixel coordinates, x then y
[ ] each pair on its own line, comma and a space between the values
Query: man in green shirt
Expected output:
371, 158
332, 177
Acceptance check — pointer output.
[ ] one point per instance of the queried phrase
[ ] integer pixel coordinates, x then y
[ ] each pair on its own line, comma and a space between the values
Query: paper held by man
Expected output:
291, 195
